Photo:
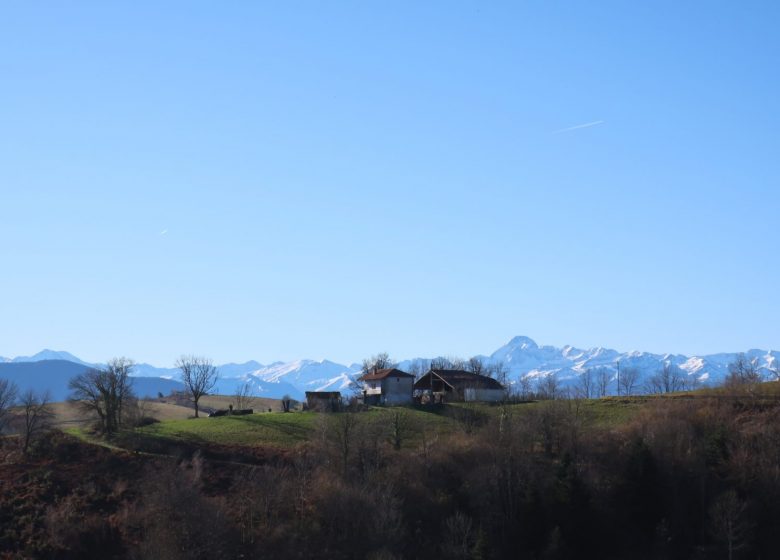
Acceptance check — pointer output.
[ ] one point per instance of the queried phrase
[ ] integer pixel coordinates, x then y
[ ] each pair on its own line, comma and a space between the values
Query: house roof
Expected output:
457, 378
384, 373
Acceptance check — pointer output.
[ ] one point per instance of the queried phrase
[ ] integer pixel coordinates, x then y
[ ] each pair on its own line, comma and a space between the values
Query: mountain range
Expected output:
521, 356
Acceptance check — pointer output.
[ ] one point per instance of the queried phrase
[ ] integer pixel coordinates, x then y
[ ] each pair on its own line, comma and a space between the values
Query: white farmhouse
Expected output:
387, 386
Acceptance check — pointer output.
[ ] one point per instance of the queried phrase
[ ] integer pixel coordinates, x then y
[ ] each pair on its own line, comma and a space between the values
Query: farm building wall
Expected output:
397, 390
472, 394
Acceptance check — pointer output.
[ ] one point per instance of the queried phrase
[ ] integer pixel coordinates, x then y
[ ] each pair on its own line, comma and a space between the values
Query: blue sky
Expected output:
284, 180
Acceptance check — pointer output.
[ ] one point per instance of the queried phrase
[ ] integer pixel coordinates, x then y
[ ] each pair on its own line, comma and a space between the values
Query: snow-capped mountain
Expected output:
309, 375
521, 355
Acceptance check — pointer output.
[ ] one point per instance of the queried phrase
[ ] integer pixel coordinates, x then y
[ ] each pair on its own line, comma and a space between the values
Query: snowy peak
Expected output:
521, 356
309, 375
522, 343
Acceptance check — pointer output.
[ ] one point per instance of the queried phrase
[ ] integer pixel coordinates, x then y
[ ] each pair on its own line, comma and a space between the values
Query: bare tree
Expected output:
525, 387
400, 424
603, 377
728, 523
341, 429
418, 368
668, 380
105, 392
8, 393
243, 397
377, 362
443, 362
498, 371
459, 537
477, 365
584, 387
743, 371
199, 376
690, 383
36, 416
286, 403
628, 380
548, 386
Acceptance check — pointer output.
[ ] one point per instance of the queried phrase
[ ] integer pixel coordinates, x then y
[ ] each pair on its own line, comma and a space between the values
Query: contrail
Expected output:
586, 125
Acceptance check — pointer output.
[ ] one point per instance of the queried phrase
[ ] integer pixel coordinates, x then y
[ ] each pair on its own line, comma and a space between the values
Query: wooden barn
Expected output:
443, 385
323, 401
387, 387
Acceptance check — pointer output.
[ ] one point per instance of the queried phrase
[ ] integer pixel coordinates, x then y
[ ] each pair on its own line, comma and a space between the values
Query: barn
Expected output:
443, 385
323, 401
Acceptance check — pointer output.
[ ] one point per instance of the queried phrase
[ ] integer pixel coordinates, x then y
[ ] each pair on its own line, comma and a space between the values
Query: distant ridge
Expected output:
521, 355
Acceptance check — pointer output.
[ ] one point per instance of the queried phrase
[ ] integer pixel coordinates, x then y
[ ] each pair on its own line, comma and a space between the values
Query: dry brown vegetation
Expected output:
678, 478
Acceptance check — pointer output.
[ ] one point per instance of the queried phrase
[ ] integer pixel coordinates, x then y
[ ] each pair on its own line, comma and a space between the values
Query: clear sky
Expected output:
278, 180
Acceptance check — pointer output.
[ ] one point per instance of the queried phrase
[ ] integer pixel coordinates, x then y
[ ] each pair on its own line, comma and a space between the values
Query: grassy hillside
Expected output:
284, 430
275, 429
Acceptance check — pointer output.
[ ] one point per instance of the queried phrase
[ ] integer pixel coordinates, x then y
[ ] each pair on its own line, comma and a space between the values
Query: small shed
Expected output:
323, 401
389, 386
457, 385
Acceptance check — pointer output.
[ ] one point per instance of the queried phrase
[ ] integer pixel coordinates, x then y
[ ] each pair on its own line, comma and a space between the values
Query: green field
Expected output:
274, 429
287, 430
284, 430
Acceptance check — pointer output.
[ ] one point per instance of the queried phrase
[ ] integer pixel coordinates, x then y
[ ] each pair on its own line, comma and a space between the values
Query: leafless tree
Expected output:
443, 362
458, 537
341, 429
743, 371
668, 380
287, 401
243, 397
400, 425
525, 387
548, 386
499, 371
105, 392
584, 387
418, 368
690, 382
8, 393
728, 523
477, 365
628, 379
199, 376
377, 362
603, 377
36, 416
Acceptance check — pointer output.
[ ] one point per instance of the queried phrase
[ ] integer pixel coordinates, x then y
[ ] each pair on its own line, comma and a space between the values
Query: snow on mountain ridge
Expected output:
521, 355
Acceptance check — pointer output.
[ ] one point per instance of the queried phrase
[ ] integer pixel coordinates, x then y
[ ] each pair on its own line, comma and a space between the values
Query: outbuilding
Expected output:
323, 401
441, 385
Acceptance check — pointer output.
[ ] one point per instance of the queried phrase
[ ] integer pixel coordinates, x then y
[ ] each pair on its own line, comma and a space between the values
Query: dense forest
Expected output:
690, 476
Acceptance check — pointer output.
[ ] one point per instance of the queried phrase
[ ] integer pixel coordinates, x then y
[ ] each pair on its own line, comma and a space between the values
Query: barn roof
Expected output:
384, 373
457, 378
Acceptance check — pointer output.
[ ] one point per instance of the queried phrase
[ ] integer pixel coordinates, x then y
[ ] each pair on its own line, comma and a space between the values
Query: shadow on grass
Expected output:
293, 428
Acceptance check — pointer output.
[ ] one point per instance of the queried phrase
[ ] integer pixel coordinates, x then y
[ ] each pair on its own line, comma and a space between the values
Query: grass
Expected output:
273, 429
283, 430
287, 430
